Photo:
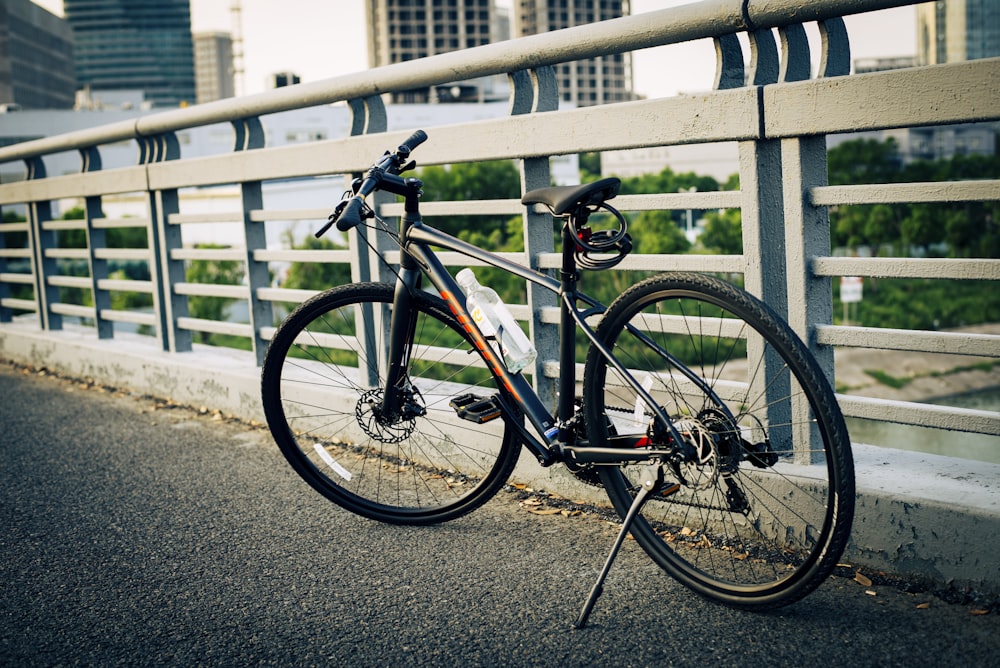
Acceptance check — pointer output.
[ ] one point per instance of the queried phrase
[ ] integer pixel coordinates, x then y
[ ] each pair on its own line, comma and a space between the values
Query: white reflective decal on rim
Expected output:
325, 456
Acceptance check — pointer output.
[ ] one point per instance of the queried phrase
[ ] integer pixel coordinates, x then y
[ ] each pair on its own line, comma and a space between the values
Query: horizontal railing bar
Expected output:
921, 415
80, 282
723, 264
698, 20
216, 254
725, 115
880, 267
142, 254
134, 317
67, 253
326, 256
15, 253
120, 285
74, 310
24, 279
212, 290
19, 304
286, 295
451, 259
891, 193
88, 184
199, 218
954, 343
59, 225
115, 223
264, 215
13, 227
963, 92
215, 327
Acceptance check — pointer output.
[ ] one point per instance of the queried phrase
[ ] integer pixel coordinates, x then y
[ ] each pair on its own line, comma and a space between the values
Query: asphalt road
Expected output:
138, 533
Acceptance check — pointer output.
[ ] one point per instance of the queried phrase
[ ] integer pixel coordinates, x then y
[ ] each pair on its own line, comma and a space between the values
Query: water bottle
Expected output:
493, 319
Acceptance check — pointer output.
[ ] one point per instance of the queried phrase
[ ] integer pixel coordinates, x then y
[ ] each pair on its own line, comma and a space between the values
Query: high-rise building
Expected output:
583, 82
950, 31
134, 44
213, 66
36, 58
402, 30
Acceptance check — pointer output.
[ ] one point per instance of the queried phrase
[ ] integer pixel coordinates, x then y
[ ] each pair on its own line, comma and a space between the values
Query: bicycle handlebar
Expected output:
350, 214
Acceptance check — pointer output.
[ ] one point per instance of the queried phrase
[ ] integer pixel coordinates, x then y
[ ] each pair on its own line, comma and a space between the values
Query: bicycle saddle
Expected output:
563, 199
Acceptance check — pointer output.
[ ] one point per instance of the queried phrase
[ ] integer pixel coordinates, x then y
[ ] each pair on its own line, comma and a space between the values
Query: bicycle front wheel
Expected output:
761, 514
322, 384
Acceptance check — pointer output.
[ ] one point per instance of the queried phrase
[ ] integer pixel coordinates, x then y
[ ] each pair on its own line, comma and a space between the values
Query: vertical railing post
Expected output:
762, 220
40, 240
807, 227
249, 136
366, 246
96, 238
538, 237
163, 239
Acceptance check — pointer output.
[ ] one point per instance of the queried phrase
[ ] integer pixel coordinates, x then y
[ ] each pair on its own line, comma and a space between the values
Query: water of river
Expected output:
981, 447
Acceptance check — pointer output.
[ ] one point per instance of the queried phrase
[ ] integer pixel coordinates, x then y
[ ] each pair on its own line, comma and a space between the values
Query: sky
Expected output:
319, 39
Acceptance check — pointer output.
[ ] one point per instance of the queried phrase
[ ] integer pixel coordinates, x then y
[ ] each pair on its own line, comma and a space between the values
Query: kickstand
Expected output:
652, 481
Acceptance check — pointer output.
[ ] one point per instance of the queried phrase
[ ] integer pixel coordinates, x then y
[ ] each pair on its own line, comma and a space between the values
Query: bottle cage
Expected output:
602, 249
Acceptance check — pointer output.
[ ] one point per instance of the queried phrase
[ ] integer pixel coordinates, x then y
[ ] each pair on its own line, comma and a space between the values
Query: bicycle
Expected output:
712, 429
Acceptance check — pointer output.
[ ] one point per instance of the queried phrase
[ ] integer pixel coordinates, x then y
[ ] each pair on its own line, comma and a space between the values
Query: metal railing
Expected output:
774, 109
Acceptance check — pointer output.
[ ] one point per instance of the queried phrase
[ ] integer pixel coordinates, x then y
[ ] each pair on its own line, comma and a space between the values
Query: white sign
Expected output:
850, 289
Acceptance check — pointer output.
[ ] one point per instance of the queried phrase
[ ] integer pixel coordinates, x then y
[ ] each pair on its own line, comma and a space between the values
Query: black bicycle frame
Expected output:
560, 444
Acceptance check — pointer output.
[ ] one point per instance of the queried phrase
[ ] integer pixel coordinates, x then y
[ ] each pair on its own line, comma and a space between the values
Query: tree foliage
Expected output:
956, 229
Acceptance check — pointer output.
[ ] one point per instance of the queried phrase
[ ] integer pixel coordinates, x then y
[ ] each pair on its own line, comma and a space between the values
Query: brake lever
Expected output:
334, 215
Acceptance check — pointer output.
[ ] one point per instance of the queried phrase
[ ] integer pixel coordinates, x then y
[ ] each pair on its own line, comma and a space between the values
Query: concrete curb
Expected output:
918, 516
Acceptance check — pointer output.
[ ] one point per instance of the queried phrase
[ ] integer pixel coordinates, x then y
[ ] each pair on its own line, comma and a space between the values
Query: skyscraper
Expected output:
213, 66
402, 30
36, 57
134, 45
585, 82
950, 31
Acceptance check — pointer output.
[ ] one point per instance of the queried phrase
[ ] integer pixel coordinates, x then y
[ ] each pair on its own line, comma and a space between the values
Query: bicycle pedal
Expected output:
475, 408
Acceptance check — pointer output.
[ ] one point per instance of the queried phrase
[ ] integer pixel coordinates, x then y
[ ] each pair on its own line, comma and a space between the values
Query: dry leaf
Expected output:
544, 511
871, 592
862, 580
923, 606
686, 532
979, 612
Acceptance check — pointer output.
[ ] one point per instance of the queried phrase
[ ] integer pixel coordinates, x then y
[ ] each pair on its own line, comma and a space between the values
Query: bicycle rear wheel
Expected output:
321, 384
763, 515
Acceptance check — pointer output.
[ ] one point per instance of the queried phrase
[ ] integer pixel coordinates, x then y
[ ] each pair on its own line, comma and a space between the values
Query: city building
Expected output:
282, 79
36, 58
213, 66
403, 30
584, 82
950, 31
134, 44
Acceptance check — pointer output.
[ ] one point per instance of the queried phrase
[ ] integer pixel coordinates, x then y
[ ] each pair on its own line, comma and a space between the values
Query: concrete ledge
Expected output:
918, 516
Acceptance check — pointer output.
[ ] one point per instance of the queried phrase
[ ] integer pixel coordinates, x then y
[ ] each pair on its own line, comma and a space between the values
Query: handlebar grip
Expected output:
350, 217
415, 140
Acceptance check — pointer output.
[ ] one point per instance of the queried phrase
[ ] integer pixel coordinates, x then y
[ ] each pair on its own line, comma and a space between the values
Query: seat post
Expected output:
569, 277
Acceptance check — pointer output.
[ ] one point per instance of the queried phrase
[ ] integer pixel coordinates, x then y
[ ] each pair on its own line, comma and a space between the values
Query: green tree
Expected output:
723, 232
216, 272
315, 275
864, 161
498, 179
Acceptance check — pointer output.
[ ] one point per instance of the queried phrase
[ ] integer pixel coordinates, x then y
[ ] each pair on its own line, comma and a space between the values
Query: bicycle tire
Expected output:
320, 379
764, 516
